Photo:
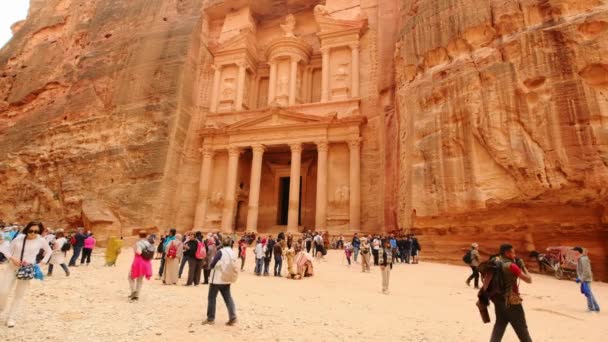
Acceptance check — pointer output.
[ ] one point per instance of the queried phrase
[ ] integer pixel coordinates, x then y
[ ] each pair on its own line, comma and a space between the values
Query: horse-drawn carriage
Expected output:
561, 260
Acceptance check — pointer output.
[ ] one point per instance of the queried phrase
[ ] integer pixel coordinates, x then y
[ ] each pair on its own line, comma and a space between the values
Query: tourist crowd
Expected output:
212, 260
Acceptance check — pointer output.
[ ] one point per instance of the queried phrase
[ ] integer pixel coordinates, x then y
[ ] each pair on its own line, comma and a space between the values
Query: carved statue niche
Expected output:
289, 25
228, 94
341, 196
341, 86
216, 199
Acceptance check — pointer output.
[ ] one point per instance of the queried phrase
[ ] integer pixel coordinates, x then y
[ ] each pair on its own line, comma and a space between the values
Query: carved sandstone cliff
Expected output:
503, 124
95, 105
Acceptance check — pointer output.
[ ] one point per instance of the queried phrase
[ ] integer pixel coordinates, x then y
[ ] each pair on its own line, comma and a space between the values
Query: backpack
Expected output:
172, 252
494, 283
146, 252
201, 253
231, 273
468, 258
66, 246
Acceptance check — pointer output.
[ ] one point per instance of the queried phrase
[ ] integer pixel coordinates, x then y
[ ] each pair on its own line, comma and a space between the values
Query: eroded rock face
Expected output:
95, 104
503, 124
486, 120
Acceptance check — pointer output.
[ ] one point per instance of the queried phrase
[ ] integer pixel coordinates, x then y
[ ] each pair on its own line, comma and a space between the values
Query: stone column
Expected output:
272, 82
230, 190
215, 91
254, 189
325, 76
240, 88
321, 210
292, 81
294, 187
203, 189
354, 50
355, 185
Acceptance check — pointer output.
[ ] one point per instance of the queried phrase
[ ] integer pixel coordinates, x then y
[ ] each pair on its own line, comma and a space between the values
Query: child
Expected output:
348, 251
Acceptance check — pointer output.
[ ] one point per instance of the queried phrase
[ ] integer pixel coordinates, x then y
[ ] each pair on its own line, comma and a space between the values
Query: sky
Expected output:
11, 11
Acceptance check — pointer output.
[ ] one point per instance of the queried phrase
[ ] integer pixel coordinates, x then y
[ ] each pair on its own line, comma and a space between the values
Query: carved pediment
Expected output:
327, 24
275, 118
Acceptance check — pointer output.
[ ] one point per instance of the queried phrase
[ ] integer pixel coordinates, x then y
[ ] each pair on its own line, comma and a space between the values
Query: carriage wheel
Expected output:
559, 273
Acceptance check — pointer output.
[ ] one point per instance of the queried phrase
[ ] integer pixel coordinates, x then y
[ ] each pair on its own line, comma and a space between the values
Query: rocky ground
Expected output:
428, 302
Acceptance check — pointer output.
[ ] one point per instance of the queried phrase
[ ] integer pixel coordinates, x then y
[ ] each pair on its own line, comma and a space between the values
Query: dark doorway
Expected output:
283, 211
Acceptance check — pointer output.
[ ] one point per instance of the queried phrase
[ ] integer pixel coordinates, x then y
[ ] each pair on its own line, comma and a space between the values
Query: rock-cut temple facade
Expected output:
458, 120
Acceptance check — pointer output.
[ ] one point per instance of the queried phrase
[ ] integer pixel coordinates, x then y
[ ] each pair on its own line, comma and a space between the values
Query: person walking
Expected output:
348, 251
474, 263
184, 260
278, 259
89, 245
222, 264
585, 277
268, 255
113, 250
356, 243
385, 260
141, 266
365, 252
243, 253
60, 247
21, 252
78, 244
507, 306
173, 256
259, 257
407, 249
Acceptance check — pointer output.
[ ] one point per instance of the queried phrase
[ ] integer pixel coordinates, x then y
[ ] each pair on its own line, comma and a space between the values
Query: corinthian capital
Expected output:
296, 147
354, 143
258, 148
322, 146
234, 151
208, 151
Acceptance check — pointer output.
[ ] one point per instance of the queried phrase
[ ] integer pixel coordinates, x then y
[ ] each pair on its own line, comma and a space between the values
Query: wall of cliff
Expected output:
503, 124
96, 103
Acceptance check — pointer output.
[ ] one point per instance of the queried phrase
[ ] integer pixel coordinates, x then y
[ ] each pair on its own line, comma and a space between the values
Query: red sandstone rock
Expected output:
485, 120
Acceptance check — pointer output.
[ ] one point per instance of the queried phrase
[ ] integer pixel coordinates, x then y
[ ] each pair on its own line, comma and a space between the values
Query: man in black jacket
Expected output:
78, 245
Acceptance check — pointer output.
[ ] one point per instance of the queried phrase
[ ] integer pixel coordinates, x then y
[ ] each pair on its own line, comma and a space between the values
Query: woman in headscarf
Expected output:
175, 253
113, 250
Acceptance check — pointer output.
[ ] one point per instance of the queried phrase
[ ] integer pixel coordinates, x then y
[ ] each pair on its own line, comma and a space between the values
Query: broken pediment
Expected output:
327, 24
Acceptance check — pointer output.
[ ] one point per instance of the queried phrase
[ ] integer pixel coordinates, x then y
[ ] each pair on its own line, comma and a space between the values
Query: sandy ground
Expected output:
428, 302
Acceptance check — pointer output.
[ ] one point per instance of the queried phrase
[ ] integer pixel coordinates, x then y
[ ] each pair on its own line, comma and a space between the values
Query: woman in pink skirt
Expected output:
141, 266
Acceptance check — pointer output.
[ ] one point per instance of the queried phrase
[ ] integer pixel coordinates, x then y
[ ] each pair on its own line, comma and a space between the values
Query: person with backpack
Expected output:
77, 242
89, 245
141, 266
175, 251
168, 239
225, 272
585, 277
356, 243
60, 247
192, 249
503, 290
471, 258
